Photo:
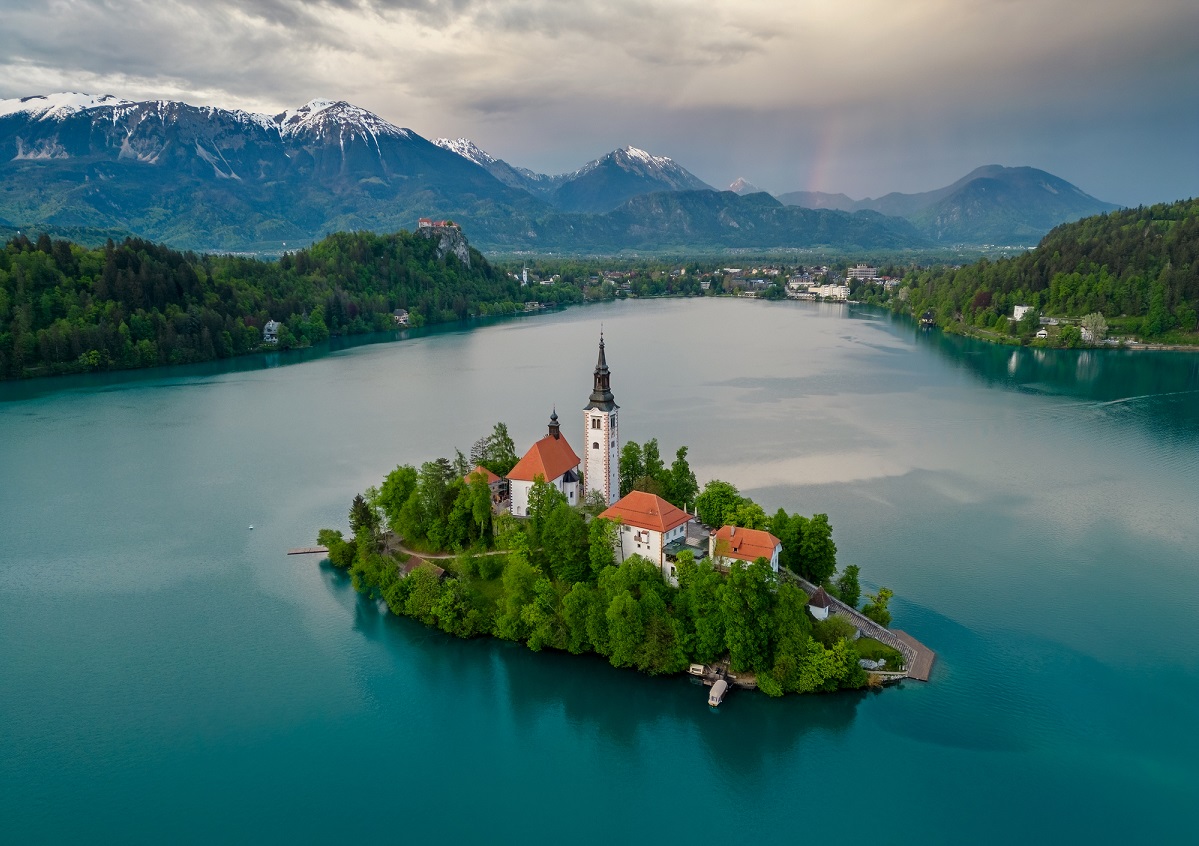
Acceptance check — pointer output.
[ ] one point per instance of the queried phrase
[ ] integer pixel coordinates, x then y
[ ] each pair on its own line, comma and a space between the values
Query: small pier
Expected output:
309, 550
921, 663
711, 674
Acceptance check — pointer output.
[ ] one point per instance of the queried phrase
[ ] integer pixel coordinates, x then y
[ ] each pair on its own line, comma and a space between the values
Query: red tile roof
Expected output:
646, 511
549, 457
745, 544
491, 477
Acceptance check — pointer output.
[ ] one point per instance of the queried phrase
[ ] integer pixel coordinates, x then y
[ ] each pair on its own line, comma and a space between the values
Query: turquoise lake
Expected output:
169, 676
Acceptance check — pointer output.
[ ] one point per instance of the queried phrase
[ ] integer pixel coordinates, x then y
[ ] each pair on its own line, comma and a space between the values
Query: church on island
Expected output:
649, 526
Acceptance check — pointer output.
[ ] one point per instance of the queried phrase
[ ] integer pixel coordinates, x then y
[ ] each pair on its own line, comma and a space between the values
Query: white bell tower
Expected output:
601, 436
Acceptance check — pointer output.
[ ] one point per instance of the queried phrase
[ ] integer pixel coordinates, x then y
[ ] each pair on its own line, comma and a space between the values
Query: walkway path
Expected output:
917, 658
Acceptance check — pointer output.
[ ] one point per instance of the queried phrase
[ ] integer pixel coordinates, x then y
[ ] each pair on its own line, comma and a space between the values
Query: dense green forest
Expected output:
1138, 268
553, 581
66, 308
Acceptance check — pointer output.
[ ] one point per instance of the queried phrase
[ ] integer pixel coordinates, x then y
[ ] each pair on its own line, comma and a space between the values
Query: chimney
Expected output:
732, 531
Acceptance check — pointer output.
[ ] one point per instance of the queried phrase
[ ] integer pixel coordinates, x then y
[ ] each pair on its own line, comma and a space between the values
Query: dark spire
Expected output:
555, 430
601, 392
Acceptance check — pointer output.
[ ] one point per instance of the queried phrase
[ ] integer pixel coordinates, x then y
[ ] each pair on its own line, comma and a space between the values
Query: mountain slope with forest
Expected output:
1139, 268
65, 308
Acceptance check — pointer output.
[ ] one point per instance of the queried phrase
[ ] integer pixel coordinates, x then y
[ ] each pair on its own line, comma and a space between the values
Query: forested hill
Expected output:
1139, 268
66, 308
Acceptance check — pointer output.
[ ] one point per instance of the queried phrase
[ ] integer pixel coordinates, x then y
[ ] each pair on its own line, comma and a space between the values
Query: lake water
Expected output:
167, 675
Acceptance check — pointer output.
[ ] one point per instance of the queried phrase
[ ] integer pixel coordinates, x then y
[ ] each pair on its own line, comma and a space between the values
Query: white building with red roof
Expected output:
552, 459
647, 524
729, 543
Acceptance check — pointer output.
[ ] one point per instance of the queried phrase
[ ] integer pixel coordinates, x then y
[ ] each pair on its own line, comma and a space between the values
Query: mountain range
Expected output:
991, 204
216, 179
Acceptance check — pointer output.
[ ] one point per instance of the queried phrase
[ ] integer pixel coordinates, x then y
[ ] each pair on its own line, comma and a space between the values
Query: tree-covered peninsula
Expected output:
1137, 269
66, 308
553, 580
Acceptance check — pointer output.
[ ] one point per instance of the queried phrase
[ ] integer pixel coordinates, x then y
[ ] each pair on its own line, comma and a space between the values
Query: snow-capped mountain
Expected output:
510, 175
607, 182
57, 106
741, 187
171, 170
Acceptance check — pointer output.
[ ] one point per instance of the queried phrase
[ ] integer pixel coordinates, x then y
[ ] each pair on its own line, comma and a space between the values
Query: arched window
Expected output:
595, 444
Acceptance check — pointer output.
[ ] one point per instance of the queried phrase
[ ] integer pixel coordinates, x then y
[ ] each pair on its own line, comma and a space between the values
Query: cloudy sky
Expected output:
860, 96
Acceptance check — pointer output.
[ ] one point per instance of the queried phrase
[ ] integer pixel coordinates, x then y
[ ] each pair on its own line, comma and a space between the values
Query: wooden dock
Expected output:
921, 664
309, 550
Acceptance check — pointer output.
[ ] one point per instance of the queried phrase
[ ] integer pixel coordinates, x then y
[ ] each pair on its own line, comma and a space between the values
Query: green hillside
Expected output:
1139, 268
66, 308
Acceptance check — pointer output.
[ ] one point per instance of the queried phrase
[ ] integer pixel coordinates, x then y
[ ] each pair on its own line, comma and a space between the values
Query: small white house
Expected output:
1019, 311
400, 316
1042, 333
819, 604
270, 332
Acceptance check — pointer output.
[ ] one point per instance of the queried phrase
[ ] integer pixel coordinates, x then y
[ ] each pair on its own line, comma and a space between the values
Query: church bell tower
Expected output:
601, 436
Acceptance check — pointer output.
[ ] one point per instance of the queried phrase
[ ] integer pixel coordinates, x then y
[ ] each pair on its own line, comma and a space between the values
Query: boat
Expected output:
718, 691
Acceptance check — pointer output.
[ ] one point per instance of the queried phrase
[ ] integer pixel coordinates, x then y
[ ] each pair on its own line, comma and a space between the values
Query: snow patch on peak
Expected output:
742, 186
319, 115
639, 155
58, 106
467, 149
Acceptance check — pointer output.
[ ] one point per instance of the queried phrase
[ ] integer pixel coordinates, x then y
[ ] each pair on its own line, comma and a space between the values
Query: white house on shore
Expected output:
270, 332
647, 524
729, 543
552, 459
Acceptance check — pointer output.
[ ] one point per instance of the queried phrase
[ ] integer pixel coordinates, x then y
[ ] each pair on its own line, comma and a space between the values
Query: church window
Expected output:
595, 423
595, 444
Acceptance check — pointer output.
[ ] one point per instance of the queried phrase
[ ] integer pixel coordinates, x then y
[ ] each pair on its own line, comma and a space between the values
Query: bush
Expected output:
491, 566
833, 629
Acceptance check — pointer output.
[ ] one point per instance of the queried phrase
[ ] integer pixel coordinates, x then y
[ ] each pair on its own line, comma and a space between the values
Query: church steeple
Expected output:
555, 429
601, 393
601, 442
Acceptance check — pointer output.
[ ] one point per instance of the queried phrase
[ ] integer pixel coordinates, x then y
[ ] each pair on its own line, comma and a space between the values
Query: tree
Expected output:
519, 583
626, 631
396, 489
848, 588
1096, 325
818, 553
602, 536
652, 461
682, 487
576, 611
746, 514
717, 498
649, 484
745, 606
542, 618
498, 452
564, 542
632, 466
876, 608
363, 518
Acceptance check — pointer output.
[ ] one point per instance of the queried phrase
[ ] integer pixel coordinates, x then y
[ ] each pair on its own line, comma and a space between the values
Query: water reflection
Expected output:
619, 708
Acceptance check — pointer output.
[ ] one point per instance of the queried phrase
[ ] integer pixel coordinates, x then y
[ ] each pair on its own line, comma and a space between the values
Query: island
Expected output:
620, 554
